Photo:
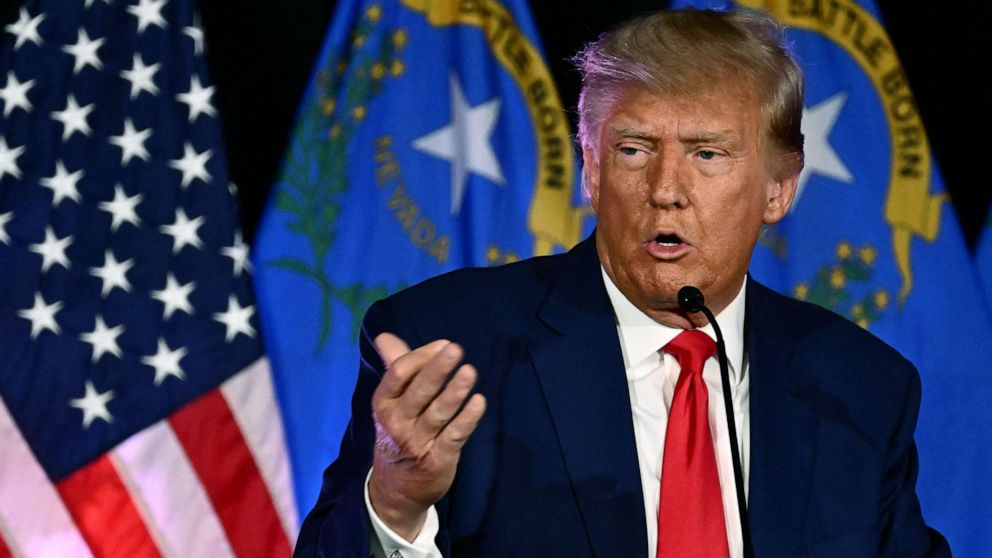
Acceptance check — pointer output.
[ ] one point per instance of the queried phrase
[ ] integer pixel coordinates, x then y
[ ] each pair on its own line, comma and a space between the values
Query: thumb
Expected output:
390, 348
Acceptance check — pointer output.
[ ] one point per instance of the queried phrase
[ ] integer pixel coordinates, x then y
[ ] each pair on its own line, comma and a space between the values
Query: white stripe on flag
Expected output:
170, 496
35, 521
252, 400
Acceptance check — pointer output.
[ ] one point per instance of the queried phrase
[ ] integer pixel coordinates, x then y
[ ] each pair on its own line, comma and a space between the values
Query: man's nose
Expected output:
665, 179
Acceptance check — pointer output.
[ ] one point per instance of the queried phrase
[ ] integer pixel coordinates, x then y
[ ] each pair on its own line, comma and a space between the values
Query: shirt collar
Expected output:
640, 336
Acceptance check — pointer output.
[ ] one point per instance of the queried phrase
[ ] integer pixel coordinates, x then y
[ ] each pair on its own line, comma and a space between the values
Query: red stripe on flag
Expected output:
104, 512
213, 441
4, 551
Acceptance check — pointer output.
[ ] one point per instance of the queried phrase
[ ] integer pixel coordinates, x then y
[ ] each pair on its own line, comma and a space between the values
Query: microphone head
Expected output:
691, 299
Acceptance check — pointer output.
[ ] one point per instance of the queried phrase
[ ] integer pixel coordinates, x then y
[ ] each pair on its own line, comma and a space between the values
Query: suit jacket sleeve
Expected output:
907, 533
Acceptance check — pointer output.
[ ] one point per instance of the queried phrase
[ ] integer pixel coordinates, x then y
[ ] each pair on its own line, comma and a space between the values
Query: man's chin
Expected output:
664, 293
676, 318
662, 303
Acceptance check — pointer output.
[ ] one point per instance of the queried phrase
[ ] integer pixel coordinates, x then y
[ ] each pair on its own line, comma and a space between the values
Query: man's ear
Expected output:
779, 196
590, 177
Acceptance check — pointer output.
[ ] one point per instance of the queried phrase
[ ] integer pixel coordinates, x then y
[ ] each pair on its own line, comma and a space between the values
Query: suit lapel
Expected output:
783, 432
580, 370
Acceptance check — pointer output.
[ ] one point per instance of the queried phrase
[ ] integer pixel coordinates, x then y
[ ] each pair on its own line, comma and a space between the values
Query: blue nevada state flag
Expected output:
983, 257
873, 237
431, 137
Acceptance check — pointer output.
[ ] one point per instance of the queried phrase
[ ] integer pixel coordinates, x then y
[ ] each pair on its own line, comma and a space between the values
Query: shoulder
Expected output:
811, 328
478, 289
834, 360
480, 283
468, 300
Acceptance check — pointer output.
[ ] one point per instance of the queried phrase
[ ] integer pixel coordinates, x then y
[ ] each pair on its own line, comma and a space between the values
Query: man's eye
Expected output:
707, 155
629, 150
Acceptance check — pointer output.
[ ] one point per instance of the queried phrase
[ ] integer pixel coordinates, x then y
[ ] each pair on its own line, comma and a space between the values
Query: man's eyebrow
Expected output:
714, 136
633, 133
727, 136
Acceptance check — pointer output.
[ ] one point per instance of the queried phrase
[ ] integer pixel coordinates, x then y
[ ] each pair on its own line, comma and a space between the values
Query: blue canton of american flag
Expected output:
137, 415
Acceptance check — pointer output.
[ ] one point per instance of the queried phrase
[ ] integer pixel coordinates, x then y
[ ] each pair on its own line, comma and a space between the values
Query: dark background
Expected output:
261, 53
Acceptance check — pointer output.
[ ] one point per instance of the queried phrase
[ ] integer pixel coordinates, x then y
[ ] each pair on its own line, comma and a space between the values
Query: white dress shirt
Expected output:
651, 377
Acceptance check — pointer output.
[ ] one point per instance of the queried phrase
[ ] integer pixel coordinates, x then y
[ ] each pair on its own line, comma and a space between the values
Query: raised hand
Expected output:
421, 426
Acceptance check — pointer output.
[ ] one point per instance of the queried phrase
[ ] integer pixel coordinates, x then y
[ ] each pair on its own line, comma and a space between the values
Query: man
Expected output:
597, 426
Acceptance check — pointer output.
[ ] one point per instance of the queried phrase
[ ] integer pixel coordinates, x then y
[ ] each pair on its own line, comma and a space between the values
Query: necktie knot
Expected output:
691, 348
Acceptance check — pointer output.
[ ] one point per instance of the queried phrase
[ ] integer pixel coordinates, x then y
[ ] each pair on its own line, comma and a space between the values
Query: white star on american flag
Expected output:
4, 219
132, 142
113, 273
236, 319
103, 339
197, 99
166, 362
238, 254
194, 32
73, 118
122, 208
8, 159
148, 12
183, 231
52, 249
174, 296
15, 94
141, 77
93, 405
42, 316
84, 51
63, 184
26, 28
193, 165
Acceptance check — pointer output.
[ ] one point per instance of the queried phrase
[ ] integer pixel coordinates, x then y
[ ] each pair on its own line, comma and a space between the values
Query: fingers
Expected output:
443, 407
418, 398
414, 378
425, 385
401, 363
457, 432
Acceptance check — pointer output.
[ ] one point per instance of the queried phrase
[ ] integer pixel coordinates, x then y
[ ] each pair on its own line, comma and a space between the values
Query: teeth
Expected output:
668, 240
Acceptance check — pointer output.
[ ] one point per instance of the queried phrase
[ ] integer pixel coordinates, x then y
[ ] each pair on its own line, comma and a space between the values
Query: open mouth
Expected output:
667, 246
668, 240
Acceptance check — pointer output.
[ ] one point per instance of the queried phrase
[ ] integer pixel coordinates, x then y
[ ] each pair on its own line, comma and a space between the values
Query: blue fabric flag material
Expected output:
983, 257
431, 137
872, 236
137, 415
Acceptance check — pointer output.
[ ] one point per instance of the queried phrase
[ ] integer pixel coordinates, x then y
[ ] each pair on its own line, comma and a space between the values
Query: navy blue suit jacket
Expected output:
552, 468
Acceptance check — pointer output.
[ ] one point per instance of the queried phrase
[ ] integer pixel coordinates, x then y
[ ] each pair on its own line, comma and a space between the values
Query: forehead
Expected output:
726, 109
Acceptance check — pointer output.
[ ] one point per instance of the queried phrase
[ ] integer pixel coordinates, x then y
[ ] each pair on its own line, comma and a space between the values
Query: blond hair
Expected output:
686, 52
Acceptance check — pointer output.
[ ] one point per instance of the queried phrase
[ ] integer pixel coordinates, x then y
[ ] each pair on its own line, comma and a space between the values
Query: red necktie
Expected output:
690, 513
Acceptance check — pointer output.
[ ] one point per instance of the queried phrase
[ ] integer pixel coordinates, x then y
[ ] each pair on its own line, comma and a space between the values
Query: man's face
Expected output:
680, 187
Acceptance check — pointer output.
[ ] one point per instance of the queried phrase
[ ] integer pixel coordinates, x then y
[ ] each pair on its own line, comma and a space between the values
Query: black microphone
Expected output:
691, 301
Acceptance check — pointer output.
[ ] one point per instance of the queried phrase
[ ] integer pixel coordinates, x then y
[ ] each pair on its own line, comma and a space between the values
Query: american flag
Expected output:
137, 413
